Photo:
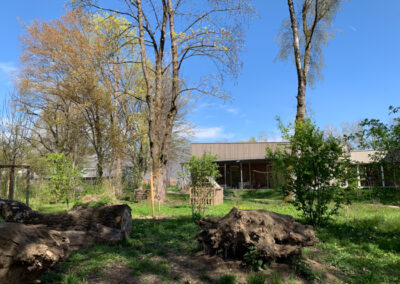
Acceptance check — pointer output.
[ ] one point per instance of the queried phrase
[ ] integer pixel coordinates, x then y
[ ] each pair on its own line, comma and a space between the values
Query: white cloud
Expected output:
8, 67
212, 133
354, 29
223, 107
7, 72
232, 110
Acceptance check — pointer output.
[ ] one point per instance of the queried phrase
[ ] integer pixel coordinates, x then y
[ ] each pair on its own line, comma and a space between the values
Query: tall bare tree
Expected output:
170, 33
13, 146
303, 36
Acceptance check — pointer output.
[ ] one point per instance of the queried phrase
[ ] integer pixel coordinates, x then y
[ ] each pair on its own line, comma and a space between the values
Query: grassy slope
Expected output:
363, 242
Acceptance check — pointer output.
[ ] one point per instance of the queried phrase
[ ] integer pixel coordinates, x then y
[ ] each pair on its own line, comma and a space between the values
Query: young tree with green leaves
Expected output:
64, 177
316, 169
202, 168
304, 35
385, 139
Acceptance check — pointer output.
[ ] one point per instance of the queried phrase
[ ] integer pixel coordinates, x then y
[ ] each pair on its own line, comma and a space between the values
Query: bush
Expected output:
64, 177
317, 171
202, 168
254, 259
258, 278
227, 279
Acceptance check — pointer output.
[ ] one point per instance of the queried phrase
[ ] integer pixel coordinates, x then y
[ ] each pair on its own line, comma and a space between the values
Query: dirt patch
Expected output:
198, 268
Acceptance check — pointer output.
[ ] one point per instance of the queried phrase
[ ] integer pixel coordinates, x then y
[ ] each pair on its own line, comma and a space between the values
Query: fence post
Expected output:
28, 179
11, 184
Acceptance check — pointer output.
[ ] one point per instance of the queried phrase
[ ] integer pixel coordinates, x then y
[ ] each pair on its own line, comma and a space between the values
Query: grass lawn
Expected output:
361, 245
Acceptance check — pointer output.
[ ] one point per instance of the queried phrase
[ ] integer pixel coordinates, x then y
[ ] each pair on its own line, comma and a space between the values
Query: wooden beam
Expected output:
28, 179
241, 176
14, 166
11, 184
250, 175
225, 175
230, 174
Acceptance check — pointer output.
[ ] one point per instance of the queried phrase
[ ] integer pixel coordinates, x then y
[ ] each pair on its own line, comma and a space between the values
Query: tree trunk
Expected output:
99, 165
301, 101
160, 178
301, 91
114, 216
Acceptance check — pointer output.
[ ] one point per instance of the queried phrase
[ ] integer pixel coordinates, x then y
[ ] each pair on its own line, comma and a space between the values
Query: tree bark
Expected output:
271, 235
26, 251
115, 217
31, 242
301, 88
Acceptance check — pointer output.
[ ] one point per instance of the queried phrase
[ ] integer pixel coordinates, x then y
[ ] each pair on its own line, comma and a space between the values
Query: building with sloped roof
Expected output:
244, 164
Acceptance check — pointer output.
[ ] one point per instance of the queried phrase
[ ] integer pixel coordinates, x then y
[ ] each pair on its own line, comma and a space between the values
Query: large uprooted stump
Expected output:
25, 251
37, 240
273, 236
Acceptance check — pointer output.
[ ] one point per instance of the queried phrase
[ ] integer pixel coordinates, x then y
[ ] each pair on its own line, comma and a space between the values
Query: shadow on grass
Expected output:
364, 232
365, 249
143, 253
256, 193
383, 195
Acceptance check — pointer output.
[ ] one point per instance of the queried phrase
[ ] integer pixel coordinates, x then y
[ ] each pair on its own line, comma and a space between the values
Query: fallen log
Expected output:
272, 236
25, 251
31, 242
112, 216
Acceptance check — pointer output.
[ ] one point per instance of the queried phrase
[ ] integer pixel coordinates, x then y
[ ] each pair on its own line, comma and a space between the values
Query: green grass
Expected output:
255, 193
388, 196
227, 279
362, 243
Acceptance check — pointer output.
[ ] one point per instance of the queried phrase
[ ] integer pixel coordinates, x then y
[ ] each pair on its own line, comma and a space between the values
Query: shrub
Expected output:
258, 278
304, 269
64, 177
317, 171
227, 279
254, 259
202, 168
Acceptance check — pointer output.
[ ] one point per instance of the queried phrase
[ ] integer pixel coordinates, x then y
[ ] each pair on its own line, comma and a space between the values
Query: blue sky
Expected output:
361, 74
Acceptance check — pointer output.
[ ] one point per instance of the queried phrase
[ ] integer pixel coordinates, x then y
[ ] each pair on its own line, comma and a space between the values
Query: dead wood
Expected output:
25, 251
274, 236
113, 216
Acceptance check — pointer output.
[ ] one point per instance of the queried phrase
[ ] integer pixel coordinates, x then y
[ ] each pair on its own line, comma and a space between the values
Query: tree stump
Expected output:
274, 236
25, 251
32, 242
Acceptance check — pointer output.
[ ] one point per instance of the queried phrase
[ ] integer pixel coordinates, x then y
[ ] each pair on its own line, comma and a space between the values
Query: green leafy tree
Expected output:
64, 177
316, 168
202, 168
385, 139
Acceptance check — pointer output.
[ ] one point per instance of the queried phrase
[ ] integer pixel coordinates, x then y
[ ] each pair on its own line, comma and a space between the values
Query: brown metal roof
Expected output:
236, 151
257, 151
